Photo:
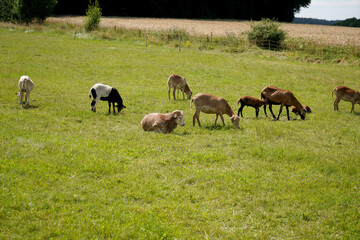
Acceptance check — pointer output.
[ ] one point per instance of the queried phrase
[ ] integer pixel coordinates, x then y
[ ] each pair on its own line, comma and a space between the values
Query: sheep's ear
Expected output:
305, 110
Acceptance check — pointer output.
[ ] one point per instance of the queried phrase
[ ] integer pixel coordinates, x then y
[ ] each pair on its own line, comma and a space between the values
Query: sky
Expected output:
331, 9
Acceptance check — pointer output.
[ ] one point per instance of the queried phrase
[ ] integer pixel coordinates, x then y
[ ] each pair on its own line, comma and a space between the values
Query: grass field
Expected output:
69, 173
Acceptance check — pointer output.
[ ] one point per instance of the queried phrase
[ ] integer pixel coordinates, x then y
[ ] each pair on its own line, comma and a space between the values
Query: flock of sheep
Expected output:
203, 102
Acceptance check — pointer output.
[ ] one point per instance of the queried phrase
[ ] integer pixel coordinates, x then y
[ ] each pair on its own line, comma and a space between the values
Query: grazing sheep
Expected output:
294, 110
178, 82
277, 96
346, 94
25, 87
106, 93
163, 123
252, 102
214, 105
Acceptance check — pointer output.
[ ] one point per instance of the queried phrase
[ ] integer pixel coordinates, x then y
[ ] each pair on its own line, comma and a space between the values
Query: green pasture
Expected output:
69, 173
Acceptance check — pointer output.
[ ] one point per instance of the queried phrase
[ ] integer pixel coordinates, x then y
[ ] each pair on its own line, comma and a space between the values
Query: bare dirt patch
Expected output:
328, 35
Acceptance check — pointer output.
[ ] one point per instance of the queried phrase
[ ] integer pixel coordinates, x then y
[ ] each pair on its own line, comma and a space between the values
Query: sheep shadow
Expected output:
219, 127
30, 107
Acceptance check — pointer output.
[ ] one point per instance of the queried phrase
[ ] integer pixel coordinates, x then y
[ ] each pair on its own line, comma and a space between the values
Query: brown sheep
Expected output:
346, 94
277, 96
252, 102
178, 82
214, 105
163, 123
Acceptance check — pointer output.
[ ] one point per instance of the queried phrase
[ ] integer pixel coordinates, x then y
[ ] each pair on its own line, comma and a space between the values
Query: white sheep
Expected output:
26, 85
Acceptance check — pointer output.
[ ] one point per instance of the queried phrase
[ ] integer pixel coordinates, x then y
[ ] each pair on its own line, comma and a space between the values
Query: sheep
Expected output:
277, 96
25, 87
214, 105
105, 93
178, 82
294, 109
346, 94
252, 102
163, 123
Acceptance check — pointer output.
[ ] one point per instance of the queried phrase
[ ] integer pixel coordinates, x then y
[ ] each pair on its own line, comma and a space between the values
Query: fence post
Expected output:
146, 37
179, 44
75, 33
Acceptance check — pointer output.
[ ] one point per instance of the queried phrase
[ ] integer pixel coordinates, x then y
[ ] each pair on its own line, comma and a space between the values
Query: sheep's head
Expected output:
235, 120
120, 107
179, 117
302, 113
188, 94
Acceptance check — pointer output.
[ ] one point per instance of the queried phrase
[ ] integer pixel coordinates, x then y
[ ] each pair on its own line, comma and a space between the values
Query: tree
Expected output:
30, 10
282, 10
93, 16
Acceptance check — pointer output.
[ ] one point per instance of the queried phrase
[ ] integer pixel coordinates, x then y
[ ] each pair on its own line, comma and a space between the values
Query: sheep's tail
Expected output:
90, 93
332, 93
238, 101
191, 103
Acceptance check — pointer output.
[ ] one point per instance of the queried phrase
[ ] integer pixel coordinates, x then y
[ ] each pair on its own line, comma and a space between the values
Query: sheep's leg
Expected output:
222, 119
352, 108
336, 104
287, 111
196, 116
169, 92
21, 98
240, 110
183, 93
216, 119
270, 107
257, 112
265, 110
174, 93
280, 110
27, 99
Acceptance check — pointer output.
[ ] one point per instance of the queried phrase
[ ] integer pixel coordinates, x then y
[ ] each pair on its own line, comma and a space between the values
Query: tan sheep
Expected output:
213, 105
178, 82
163, 123
346, 94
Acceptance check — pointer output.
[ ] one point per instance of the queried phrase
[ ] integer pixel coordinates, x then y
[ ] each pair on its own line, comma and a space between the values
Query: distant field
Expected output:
69, 173
328, 35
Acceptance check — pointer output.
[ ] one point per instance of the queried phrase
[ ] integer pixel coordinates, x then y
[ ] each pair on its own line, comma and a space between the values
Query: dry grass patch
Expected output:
328, 35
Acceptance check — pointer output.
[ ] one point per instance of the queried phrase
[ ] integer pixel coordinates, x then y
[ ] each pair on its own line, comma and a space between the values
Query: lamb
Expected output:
252, 102
214, 105
105, 93
346, 94
294, 110
277, 96
163, 123
178, 82
26, 85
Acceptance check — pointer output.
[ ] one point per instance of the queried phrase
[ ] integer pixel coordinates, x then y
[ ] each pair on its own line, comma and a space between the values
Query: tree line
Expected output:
281, 10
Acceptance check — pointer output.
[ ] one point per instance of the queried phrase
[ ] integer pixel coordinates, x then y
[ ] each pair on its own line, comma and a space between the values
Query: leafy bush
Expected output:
9, 10
266, 34
30, 10
93, 16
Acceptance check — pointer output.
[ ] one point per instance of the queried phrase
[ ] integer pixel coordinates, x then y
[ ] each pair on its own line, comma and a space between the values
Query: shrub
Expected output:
9, 10
35, 9
93, 16
266, 34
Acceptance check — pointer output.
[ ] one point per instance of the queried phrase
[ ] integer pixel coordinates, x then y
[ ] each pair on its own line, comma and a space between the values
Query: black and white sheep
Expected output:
106, 93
